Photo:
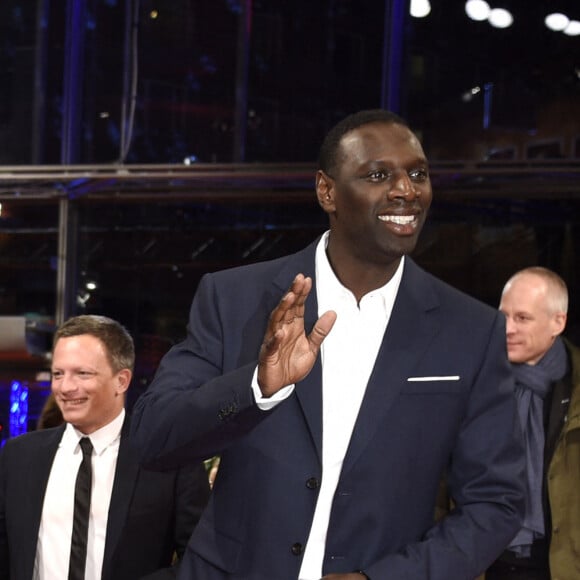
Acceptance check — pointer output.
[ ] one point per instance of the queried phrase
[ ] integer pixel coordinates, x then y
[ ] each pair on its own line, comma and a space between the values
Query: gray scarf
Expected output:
533, 383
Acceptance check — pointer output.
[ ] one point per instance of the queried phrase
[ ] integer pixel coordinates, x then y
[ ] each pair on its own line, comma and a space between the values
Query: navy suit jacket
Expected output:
439, 402
151, 515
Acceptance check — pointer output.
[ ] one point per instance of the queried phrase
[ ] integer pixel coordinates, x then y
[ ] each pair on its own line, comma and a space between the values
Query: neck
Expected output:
361, 278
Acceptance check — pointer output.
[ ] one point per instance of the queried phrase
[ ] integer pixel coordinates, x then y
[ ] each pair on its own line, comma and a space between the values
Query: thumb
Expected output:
321, 329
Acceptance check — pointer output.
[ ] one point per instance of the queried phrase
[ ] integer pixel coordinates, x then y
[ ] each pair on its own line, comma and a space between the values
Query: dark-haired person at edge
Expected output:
547, 372
50, 415
338, 385
135, 522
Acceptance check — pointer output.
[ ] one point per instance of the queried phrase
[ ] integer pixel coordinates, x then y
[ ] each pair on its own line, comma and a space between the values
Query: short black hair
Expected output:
327, 158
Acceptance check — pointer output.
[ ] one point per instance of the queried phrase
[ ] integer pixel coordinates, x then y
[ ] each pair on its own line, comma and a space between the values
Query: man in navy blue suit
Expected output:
340, 385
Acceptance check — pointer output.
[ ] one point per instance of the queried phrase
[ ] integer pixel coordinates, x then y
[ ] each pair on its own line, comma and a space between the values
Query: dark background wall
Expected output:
171, 139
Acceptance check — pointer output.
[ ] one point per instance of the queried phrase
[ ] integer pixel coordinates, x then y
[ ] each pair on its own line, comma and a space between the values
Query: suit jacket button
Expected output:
312, 483
296, 549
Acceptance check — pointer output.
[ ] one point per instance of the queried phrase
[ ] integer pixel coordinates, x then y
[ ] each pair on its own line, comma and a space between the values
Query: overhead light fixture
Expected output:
500, 18
477, 10
556, 21
573, 28
420, 8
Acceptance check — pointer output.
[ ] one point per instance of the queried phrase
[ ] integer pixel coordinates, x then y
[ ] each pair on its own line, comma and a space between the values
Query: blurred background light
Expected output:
18, 408
500, 18
477, 9
556, 21
420, 8
573, 28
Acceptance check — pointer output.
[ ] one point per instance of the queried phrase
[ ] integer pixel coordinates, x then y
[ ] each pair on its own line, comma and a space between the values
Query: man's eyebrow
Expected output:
392, 163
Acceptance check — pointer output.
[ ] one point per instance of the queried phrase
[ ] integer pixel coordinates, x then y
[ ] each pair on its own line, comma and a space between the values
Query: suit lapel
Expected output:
34, 488
411, 329
309, 395
126, 473
308, 390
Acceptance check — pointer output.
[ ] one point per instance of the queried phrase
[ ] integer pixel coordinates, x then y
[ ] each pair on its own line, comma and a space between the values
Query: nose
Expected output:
403, 187
510, 327
66, 383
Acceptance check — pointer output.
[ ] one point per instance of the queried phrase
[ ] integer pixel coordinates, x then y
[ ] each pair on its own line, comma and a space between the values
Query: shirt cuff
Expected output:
267, 403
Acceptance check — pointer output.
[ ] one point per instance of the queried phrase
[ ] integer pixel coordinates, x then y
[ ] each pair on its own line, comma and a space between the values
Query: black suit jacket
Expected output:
151, 515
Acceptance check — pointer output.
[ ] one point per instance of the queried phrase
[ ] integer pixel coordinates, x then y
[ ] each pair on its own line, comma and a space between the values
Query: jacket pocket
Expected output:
432, 385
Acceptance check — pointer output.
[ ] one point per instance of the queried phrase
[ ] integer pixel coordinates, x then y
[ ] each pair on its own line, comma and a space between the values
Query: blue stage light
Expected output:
18, 408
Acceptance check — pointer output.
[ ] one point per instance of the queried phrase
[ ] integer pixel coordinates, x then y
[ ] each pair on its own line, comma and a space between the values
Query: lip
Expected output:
404, 224
74, 402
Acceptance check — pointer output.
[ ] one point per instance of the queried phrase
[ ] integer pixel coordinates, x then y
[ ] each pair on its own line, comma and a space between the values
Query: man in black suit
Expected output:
139, 520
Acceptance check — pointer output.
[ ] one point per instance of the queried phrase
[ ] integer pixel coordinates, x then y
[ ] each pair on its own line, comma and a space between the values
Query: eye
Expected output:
56, 375
378, 175
85, 374
419, 175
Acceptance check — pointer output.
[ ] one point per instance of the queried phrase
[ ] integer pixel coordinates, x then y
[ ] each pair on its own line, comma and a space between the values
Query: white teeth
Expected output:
401, 220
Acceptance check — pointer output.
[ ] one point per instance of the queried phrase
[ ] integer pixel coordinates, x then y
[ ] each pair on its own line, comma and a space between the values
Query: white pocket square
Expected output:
442, 378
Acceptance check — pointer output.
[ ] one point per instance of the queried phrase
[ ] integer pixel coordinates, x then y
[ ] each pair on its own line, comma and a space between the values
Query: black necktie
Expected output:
78, 548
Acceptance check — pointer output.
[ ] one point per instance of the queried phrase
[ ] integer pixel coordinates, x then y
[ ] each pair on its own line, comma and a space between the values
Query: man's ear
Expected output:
325, 191
123, 380
559, 323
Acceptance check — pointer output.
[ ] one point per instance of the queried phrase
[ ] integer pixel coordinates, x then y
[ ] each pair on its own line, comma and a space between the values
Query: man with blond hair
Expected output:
547, 372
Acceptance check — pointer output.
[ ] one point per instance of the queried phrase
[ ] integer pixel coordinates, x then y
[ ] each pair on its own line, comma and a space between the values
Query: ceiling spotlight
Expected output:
420, 8
500, 18
556, 21
573, 28
477, 9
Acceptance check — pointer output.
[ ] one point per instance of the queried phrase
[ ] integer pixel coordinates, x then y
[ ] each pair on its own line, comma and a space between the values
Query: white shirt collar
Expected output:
329, 289
101, 438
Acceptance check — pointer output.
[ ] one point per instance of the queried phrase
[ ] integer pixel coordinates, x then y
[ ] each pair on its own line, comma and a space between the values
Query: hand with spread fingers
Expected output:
287, 353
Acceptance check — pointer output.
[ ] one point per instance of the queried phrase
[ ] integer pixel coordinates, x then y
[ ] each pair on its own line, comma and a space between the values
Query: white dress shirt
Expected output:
348, 357
54, 535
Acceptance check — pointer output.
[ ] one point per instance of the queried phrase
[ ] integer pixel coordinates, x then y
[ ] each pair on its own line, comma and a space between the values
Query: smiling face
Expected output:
378, 195
87, 390
531, 325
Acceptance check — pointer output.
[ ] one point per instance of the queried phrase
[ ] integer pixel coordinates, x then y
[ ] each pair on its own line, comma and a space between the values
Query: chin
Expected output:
72, 417
404, 247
